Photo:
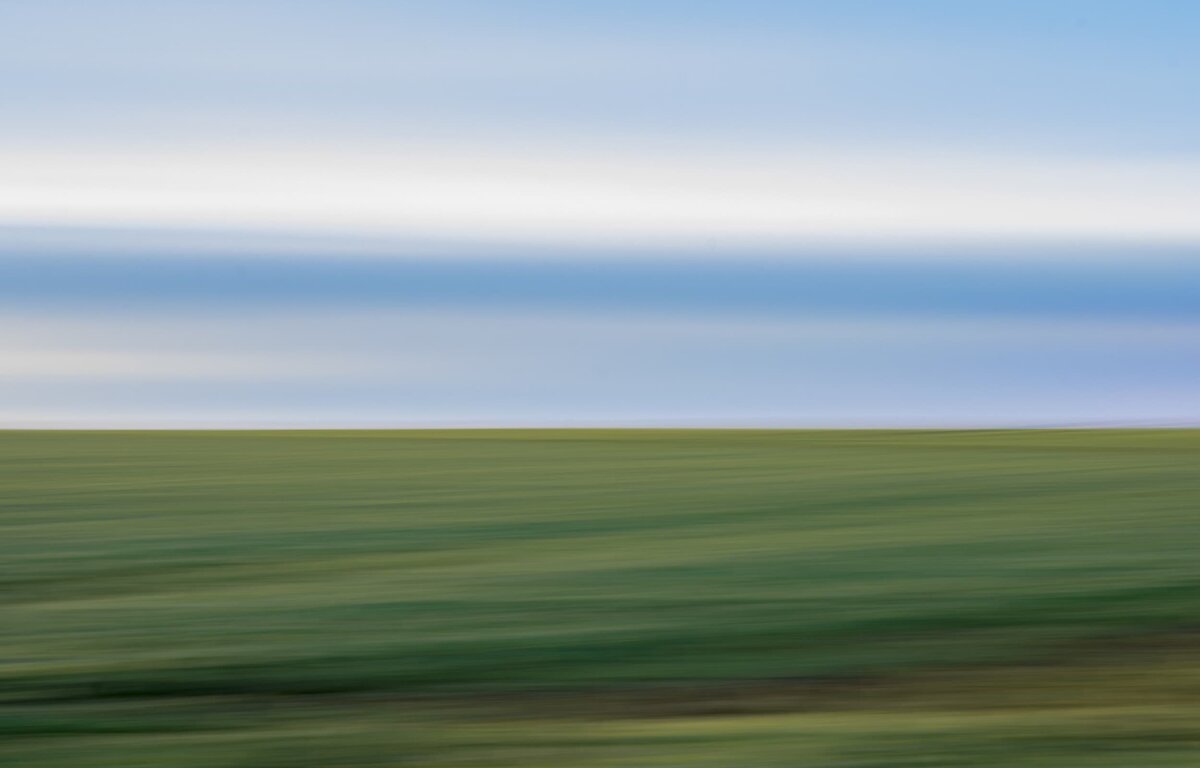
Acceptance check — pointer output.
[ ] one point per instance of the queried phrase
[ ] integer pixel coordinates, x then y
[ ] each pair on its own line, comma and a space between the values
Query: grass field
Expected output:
600, 598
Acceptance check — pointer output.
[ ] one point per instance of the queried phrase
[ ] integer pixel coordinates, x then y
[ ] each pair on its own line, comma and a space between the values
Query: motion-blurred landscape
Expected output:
599, 384
600, 598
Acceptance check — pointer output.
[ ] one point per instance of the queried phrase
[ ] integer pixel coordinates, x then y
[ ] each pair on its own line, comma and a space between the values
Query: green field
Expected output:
759, 599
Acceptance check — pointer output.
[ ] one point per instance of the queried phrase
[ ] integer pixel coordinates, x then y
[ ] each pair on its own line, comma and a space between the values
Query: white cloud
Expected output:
596, 197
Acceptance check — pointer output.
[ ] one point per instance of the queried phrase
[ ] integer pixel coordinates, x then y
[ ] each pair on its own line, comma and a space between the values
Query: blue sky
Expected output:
847, 213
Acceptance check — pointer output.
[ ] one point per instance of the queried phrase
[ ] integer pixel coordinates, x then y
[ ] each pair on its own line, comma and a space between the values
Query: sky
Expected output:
858, 213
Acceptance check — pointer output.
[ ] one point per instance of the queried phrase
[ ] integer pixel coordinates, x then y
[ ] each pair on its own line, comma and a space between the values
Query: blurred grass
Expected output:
600, 598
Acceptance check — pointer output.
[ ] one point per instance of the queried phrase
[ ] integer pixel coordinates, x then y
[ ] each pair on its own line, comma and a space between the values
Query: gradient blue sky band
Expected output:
391, 213
1150, 285
1068, 76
